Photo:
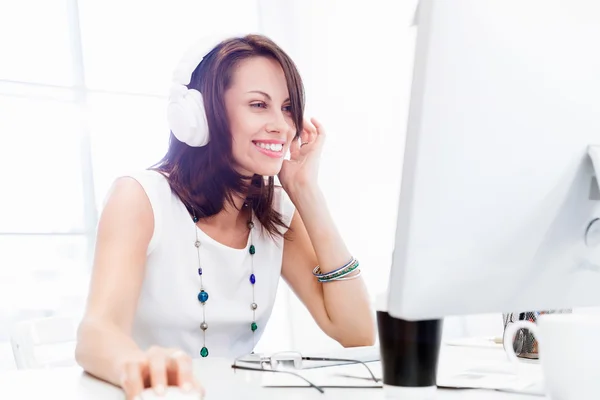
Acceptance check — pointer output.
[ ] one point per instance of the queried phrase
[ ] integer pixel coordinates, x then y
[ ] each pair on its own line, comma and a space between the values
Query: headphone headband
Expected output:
193, 57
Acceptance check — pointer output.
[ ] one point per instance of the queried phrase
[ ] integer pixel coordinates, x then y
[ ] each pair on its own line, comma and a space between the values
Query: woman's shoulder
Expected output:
156, 191
147, 176
153, 183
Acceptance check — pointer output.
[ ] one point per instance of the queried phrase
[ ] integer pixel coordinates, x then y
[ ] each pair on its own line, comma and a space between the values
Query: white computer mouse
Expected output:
171, 393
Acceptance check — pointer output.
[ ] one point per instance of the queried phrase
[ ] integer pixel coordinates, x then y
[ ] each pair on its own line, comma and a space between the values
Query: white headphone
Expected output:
185, 110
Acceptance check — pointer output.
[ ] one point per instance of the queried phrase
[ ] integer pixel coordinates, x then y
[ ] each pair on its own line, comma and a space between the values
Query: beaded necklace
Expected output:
203, 294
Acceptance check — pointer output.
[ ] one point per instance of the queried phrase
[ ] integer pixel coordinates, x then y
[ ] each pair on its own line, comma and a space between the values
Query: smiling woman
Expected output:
190, 252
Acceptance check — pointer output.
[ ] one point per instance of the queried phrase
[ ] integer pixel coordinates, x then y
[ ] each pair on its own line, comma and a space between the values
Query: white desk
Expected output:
222, 382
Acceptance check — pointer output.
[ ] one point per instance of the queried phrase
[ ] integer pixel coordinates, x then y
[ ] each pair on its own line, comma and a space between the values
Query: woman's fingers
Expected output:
319, 129
314, 132
161, 368
180, 367
309, 134
157, 365
132, 380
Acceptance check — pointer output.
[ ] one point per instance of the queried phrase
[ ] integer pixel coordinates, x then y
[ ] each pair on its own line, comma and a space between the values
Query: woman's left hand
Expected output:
302, 169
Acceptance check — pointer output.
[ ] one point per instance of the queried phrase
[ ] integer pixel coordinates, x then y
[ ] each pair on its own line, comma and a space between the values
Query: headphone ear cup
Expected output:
195, 101
186, 116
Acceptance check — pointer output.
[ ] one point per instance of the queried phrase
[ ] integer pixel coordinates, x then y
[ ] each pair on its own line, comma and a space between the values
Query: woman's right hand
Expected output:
158, 368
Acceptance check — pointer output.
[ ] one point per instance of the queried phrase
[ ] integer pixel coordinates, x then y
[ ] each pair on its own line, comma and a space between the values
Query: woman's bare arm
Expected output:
124, 232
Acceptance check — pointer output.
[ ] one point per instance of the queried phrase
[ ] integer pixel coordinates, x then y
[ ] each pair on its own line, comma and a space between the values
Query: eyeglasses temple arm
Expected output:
279, 371
342, 360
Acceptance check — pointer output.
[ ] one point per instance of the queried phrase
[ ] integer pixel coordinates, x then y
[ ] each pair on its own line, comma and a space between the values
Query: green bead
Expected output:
253, 326
204, 352
252, 249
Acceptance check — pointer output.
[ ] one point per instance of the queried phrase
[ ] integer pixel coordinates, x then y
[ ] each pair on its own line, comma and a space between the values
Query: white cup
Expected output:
569, 352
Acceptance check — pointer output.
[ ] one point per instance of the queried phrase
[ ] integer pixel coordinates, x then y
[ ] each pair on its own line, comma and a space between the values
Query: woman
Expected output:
189, 253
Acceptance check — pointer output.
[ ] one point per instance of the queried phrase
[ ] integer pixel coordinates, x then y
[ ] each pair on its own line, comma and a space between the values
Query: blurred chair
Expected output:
44, 342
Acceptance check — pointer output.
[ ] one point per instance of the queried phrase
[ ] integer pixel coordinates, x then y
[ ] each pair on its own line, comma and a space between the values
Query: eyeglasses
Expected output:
279, 361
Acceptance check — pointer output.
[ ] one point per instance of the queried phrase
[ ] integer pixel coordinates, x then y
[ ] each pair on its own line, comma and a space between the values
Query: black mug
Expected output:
409, 352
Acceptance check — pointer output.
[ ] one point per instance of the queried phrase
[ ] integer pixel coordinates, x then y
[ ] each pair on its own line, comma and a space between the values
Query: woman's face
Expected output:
260, 119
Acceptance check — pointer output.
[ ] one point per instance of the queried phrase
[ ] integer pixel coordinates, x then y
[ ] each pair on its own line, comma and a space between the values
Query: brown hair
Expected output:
204, 178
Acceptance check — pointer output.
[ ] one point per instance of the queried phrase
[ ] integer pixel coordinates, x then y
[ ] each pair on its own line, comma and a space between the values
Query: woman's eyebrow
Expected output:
266, 95
260, 92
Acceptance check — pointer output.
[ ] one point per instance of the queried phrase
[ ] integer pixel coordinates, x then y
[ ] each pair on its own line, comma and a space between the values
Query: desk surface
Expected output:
222, 382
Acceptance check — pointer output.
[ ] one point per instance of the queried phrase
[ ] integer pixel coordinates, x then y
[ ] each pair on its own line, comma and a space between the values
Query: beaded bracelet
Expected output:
317, 271
338, 274
349, 278
343, 277
341, 274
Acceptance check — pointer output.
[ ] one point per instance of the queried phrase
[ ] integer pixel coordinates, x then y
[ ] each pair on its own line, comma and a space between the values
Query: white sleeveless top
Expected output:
169, 313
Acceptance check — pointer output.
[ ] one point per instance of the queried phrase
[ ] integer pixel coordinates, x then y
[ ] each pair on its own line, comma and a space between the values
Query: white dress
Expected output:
169, 313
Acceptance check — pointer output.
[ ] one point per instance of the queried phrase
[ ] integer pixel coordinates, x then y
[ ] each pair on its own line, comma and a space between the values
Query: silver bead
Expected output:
197, 243
254, 306
250, 225
204, 326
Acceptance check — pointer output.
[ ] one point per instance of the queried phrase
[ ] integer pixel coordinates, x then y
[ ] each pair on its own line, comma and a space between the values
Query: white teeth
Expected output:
270, 146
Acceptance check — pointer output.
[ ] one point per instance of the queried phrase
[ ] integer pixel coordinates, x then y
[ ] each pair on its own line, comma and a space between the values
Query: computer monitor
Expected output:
499, 203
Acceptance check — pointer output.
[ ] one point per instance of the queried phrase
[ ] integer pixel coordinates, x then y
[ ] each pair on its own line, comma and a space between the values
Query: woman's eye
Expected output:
287, 108
258, 105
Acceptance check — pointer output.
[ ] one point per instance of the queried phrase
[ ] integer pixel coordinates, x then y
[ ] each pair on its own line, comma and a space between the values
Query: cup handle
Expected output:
509, 335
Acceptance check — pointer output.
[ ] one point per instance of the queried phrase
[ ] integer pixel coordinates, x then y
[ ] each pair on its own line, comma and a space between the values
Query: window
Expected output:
35, 45
40, 160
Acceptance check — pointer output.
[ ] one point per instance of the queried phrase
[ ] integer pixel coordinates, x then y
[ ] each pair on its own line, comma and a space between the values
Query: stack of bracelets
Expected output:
345, 273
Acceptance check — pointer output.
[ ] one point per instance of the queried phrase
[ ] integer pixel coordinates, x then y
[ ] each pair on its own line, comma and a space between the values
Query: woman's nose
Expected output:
278, 123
